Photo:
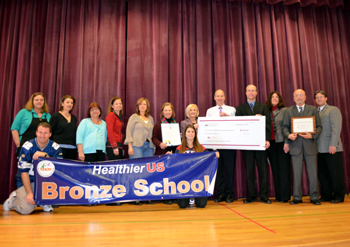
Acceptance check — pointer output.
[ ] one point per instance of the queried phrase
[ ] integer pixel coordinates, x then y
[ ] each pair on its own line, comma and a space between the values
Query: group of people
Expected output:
36, 133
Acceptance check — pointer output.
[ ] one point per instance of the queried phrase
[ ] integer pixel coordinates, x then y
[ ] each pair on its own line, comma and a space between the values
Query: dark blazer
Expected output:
259, 108
309, 145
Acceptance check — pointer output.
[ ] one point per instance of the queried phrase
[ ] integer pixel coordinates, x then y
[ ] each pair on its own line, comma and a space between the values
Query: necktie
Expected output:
220, 109
251, 107
300, 110
319, 110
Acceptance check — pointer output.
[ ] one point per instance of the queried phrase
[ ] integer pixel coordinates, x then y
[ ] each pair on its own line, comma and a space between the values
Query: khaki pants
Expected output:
19, 202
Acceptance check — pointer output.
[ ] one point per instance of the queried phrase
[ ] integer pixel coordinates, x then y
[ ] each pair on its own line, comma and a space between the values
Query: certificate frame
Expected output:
171, 134
300, 125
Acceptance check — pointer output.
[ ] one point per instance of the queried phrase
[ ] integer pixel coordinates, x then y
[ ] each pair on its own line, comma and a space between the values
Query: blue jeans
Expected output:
143, 151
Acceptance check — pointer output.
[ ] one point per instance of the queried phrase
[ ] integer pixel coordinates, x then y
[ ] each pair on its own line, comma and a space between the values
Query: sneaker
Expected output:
47, 208
8, 205
191, 201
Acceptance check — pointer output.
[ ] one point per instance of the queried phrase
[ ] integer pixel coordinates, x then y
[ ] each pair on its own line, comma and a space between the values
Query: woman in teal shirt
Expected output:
26, 121
92, 136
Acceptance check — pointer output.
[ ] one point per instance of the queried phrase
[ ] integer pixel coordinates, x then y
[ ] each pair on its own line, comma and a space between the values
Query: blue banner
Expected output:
68, 182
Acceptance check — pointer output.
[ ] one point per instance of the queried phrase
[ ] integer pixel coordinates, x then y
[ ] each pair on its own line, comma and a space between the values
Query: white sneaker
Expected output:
8, 205
191, 201
47, 208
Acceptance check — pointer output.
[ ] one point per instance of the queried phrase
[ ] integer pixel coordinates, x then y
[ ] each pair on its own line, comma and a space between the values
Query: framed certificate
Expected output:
303, 124
171, 134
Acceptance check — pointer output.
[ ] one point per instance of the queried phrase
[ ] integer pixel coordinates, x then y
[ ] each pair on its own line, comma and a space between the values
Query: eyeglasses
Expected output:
299, 95
94, 109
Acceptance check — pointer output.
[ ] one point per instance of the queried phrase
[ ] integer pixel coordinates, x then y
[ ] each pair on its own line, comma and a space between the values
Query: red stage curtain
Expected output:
169, 50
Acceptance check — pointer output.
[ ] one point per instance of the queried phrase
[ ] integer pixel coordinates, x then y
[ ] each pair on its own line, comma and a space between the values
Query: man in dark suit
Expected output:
330, 151
303, 147
254, 108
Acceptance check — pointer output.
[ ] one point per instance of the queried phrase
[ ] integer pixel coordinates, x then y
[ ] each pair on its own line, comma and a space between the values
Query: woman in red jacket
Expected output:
115, 129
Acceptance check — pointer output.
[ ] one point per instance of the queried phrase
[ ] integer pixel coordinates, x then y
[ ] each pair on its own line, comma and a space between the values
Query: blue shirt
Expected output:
24, 118
92, 136
25, 161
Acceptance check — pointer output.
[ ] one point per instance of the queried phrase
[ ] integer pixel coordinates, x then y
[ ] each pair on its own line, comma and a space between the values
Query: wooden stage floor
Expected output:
219, 224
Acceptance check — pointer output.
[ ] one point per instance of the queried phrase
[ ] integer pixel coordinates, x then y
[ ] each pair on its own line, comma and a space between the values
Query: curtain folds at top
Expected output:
303, 3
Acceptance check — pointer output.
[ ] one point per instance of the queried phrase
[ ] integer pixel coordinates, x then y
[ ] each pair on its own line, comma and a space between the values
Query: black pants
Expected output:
225, 172
200, 202
280, 166
111, 155
98, 156
70, 154
261, 162
331, 175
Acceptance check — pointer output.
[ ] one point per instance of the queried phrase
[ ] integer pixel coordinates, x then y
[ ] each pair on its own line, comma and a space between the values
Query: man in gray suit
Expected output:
330, 151
303, 147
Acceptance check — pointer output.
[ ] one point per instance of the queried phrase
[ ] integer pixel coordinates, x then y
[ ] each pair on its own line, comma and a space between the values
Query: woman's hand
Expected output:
196, 126
116, 151
163, 145
217, 154
131, 151
286, 148
81, 156
169, 152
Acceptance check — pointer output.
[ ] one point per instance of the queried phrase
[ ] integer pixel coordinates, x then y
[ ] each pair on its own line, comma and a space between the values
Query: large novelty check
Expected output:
245, 133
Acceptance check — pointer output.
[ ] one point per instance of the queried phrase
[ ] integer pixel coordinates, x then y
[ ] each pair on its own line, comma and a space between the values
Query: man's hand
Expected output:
332, 149
306, 135
224, 114
30, 198
292, 136
38, 154
267, 144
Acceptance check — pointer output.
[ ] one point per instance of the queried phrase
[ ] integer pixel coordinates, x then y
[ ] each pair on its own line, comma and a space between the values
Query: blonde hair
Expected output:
188, 108
110, 109
29, 105
138, 103
163, 106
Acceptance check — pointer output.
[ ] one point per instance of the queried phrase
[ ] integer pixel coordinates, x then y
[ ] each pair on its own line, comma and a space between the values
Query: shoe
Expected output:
168, 202
324, 200
336, 201
149, 202
265, 200
114, 204
293, 202
276, 200
316, 202
8, 205
219, 199
229, 199
283, 201
47, 208
249, 200
138, 203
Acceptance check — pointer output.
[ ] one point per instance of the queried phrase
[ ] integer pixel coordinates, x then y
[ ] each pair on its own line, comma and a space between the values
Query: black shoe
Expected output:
138, 203
220, 199
336, 201
149, 202
249, 200
265, 200
229, 199
114, 204
284, 201
293, 202
168, 202
276, 200
324, 200
316, 202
